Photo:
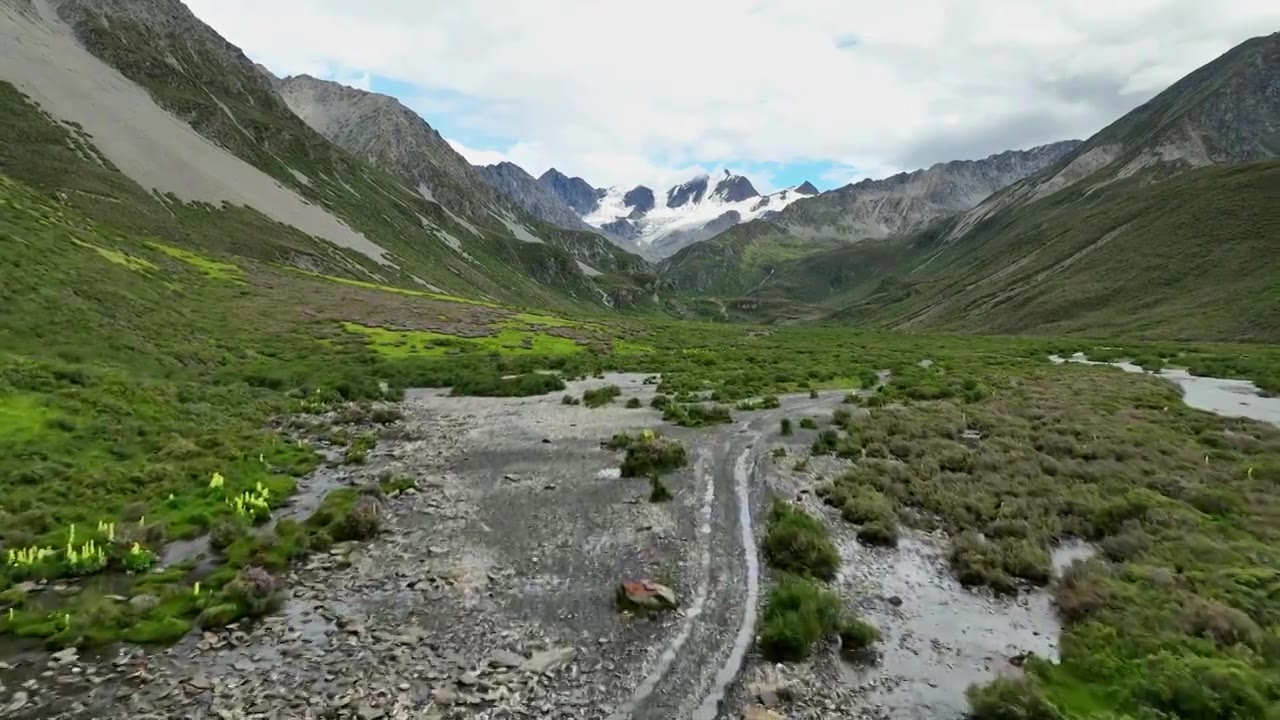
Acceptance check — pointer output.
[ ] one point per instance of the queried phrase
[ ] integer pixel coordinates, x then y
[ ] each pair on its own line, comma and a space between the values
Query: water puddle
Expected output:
1220, 396
940, 638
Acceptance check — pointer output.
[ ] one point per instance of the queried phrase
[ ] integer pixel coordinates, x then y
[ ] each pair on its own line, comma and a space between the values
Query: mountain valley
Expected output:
305, 414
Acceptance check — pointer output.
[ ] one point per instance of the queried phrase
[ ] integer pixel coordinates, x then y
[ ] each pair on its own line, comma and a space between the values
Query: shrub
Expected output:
226, 531
1200, 687
652, 454
660, 402
826, 443
808, 423
494, 385
570, 400
361, 522
863, 505
600, 397
979, 561
798, 543
768, 402
778, 453
787, 430
254, 591
796, 614
392, 484
857, 634
696, 414
882, 533
633, 403
1006, 698
658, 491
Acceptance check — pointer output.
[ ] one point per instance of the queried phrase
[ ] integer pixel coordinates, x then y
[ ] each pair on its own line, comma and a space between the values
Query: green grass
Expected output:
210, 267
124, 260
23, 417
422, 343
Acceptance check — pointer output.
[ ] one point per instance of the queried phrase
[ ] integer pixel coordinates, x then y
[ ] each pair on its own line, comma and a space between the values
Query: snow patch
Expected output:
663, 221
427, 285
444, 236
426, 193
520, 231
299, 176
42, 58
588, 270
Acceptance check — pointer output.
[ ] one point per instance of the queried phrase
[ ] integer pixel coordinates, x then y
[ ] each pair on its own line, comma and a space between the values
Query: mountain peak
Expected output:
572, 191
806, 188
689, 192
734, 188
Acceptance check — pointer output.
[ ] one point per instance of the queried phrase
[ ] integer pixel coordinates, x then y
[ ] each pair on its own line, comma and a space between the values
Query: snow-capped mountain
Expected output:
691, 211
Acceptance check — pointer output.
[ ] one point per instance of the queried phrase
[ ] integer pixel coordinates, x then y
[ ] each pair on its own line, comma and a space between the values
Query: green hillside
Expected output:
1192, 257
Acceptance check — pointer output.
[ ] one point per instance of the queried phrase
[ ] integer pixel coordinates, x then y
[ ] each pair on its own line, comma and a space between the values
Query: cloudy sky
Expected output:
624, 92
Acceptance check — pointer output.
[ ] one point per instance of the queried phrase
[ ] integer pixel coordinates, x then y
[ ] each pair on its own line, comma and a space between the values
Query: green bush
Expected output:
696, 414
633, 403
1019, 698
651, 455
798, 543
600, 397
361, 522
808, 423
787, 430
857, 634
658, 491
495, 385
882, 532
797, 613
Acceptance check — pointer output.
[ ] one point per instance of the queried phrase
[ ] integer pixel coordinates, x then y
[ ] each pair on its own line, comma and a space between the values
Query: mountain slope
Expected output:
1152, 227
1223, 112
383, 131
167, 111
742, 257
521, 188
1190, 257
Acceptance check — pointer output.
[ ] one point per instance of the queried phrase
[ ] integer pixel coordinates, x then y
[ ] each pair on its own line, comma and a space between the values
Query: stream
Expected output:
1220, 396
939, 637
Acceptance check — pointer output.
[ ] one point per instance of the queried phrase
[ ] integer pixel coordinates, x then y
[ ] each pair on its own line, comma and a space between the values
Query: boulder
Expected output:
646, 595
756, 712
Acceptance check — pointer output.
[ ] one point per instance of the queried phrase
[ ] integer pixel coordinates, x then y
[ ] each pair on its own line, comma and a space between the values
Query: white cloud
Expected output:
624, 92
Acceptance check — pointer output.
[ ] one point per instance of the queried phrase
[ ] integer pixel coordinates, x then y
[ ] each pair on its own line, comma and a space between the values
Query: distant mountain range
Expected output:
1166, 223
637, 218
1163, 223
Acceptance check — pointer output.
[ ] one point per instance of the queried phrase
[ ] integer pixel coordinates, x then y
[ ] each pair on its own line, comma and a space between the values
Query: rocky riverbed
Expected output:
488, 595
490, 592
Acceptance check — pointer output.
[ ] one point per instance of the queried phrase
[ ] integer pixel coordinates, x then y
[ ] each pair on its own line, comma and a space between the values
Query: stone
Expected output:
19, 701
895, 601
66, 655
765, 693
756, 712
646, 595
200, 682
143, 604
444, 696
506, 659
366, 711
468, 679
548, 660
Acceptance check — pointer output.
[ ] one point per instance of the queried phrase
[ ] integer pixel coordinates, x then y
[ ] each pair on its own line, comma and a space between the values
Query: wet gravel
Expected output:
490, 595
